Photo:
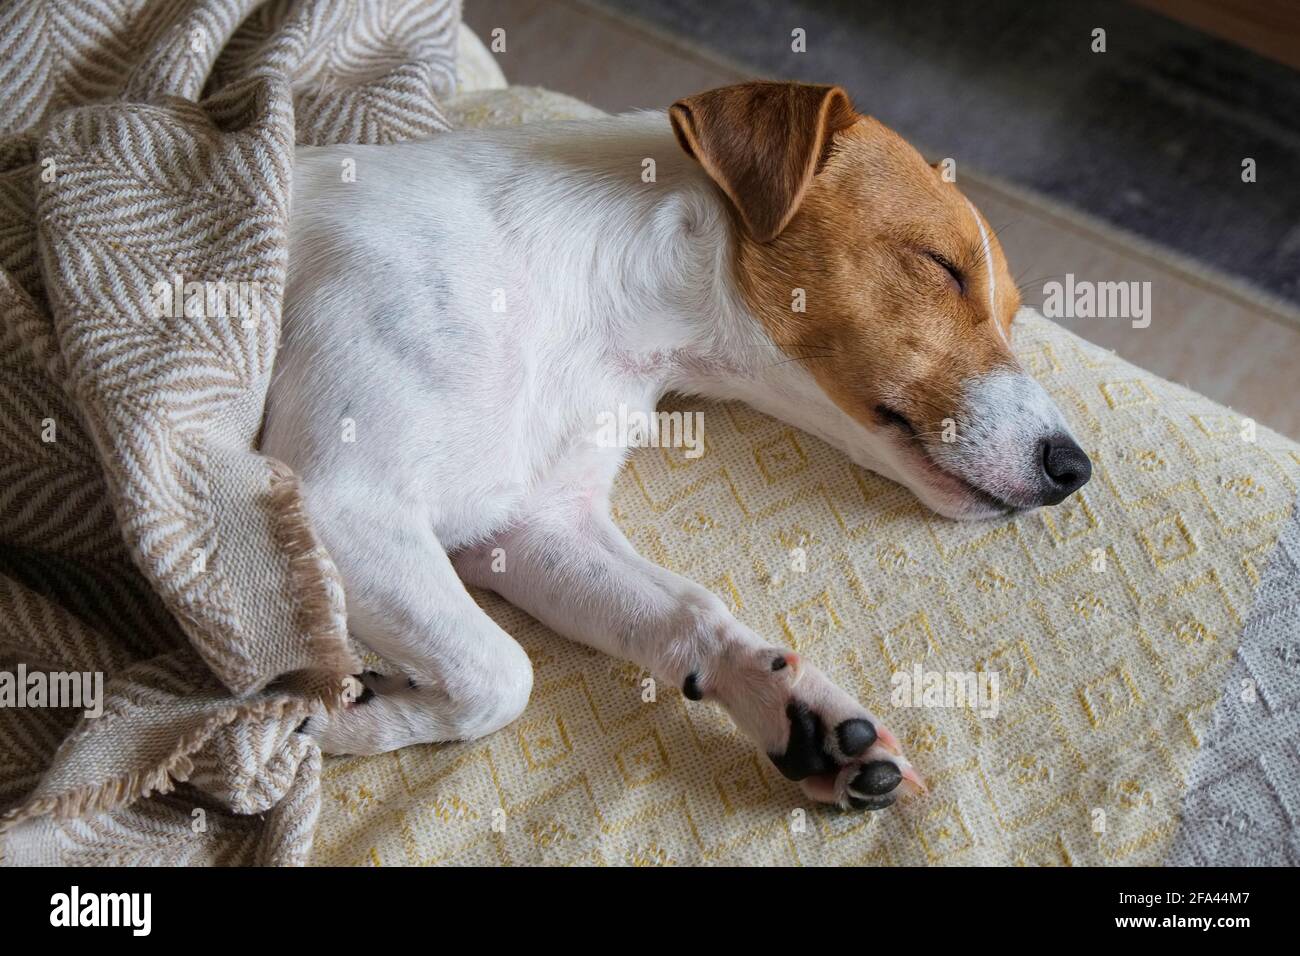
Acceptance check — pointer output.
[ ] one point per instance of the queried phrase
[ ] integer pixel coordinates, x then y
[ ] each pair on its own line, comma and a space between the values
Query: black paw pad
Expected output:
877, 779
805, 754
855, 736
691, 688
872, 803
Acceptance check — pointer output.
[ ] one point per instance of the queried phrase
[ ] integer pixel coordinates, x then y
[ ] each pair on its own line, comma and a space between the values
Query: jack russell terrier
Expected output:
473, 304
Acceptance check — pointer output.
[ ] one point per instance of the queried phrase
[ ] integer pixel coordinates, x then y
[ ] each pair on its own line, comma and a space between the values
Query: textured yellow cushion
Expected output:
1110, 619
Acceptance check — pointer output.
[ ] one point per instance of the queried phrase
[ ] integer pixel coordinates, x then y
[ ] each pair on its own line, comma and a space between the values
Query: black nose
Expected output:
1066, 468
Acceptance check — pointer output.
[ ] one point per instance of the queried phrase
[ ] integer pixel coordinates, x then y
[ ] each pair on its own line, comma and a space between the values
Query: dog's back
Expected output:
437, 309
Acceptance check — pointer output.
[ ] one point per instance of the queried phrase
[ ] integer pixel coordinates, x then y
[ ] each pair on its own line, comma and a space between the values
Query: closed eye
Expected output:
943, 262
897, 419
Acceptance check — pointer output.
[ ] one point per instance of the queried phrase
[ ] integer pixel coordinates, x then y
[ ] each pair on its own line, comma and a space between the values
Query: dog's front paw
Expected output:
814, 732
855, 763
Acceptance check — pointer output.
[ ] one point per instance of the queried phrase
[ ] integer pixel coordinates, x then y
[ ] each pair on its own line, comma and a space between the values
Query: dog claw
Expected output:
888, 741
914, 783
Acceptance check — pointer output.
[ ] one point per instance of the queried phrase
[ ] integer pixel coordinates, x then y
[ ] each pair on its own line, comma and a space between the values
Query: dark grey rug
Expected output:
1149, 135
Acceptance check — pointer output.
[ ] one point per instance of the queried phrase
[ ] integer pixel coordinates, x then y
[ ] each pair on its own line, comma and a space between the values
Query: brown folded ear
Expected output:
762, 143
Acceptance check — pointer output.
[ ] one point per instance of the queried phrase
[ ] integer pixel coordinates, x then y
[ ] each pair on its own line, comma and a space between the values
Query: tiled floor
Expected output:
1204, 332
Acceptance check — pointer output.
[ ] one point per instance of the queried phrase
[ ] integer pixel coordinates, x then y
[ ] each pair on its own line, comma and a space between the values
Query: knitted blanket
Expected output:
167, 618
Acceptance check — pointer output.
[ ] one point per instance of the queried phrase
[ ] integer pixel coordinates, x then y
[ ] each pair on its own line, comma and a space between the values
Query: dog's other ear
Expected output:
762, 143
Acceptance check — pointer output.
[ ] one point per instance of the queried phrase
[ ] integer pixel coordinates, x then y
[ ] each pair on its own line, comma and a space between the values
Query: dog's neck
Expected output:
659, 291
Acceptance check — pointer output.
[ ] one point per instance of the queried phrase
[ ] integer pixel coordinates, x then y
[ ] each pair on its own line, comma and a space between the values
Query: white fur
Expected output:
475, 429
1003, 415
987, 250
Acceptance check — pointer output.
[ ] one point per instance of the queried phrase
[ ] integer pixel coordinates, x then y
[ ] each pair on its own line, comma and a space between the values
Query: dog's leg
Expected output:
462, 676
568, 565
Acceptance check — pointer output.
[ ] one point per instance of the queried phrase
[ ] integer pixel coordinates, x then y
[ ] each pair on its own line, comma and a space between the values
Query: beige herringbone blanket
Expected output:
145, 146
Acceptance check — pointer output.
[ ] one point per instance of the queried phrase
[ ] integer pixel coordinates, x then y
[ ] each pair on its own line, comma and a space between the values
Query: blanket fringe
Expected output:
320, 615
123, 790
318, 590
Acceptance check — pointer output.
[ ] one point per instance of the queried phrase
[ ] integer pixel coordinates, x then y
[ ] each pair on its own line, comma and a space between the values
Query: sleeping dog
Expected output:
463, 312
